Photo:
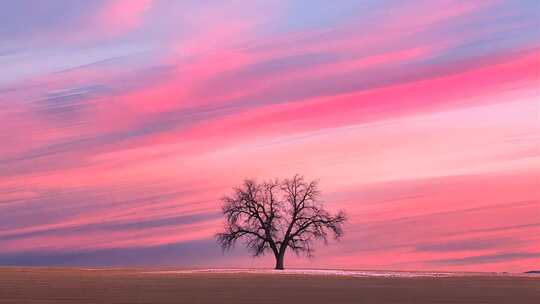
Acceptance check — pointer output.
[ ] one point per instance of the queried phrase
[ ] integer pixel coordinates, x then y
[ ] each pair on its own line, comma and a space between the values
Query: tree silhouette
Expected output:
276, 215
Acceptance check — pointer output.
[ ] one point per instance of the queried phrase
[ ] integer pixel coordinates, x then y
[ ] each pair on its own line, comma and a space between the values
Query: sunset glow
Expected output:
123, 123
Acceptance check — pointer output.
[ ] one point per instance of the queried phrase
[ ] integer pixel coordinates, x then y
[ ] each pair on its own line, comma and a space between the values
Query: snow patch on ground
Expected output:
321, 272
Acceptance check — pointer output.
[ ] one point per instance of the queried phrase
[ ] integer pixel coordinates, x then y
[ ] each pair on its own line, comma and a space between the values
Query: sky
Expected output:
123, 123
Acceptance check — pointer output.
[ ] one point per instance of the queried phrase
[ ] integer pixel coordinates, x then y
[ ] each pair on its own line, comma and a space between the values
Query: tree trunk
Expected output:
279, 262
279, 258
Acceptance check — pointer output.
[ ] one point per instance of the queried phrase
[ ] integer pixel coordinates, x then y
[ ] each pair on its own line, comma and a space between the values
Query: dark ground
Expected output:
40, 285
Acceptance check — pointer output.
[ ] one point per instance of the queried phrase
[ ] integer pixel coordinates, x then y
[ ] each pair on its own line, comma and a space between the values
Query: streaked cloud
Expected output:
124, 122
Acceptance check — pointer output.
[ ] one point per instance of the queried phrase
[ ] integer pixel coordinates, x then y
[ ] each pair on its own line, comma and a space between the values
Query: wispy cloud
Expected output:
122, 123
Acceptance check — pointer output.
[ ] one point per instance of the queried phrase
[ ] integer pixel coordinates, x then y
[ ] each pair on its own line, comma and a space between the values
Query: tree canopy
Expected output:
277, 215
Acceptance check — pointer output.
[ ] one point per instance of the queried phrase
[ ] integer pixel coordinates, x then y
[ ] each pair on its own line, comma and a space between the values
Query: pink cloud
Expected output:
120, 16
402, 129
431, 94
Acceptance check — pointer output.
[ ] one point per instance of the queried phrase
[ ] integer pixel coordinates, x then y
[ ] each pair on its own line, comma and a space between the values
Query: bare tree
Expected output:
276, 215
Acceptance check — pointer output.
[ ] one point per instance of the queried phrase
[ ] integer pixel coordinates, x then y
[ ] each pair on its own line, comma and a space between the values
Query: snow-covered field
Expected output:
327, 272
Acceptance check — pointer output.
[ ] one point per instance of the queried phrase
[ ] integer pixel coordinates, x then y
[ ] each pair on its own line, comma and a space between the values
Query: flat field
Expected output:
70, 285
